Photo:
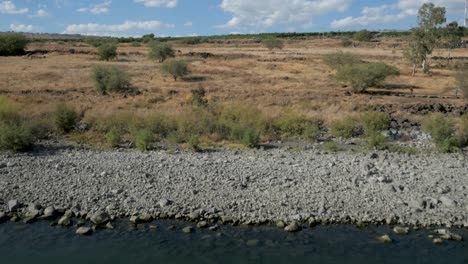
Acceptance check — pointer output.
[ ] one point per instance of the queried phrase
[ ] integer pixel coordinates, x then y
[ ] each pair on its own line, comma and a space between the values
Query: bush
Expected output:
113, 137
15, 137
363, 36
144, 139
198, 96
291, 125
194, 142
377, 141
374, 122
250, 137
362, 76
442, 131
161, 52
176, 68
338, 59
66, 118
136, 44
346, 43
273, 43
107, 51
331, 146
312, 132
461, 78
12, 44
344, 128
463, 130
110, 79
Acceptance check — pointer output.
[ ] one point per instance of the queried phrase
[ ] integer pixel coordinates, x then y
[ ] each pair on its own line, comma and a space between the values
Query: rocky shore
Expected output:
288, 188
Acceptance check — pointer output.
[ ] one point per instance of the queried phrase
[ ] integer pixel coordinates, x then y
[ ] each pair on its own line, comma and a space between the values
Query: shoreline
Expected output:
276, 186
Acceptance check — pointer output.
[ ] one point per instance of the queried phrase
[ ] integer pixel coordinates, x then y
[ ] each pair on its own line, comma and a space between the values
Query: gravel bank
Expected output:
251, 186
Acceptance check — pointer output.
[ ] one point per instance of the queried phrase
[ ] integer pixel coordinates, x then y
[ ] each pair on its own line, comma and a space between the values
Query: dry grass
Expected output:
294, 79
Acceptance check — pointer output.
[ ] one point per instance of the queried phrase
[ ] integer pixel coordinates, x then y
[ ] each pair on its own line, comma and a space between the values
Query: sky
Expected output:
212, 17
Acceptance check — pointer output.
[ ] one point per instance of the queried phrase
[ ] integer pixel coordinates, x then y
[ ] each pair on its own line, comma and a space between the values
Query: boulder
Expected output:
401, 230
447, 201
100, 218
49, 211
84, 231
13, 205
202, 224
384, 239
293, 227
164, 202
187, 229
65, 221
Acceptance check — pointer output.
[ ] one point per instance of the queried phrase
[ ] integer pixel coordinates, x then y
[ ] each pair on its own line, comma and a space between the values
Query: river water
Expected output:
40, 243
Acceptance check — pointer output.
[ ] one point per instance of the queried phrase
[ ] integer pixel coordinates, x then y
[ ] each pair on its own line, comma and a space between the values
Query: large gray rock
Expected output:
100, 218
49, 211
84, 231
164, 202
447, 201
293, 227
384, 239
401, 230
65, 221
13, 205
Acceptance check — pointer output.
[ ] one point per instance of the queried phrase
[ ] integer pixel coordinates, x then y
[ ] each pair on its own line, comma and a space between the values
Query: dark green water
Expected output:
40, 243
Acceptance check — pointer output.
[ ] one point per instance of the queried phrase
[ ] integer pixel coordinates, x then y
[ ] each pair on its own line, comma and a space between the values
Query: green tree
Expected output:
425, 38
452, 37
12, 44
161, 52
273, 43
176, 68
107, 51
363, 36
148, 38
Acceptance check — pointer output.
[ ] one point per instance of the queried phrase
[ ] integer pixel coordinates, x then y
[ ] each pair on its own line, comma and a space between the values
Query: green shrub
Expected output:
312, 132
144, 139
176, 68
193, 41
363, 36
331, 146
250, 138
442, 131
108, 79
194, 142
338, 59
113, 137
15, 137
374, 122
344, 128
12, 44
161, 52
463, 130
136, 44
346, 42
66, 118
362, 76
198, 97
377, 141
461, 78
273, 43
107, 51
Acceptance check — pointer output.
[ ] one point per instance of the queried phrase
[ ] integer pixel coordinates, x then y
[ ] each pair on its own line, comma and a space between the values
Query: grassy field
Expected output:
238, 73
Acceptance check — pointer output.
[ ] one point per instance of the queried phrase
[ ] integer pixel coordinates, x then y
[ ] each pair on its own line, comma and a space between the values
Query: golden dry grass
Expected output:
294, 79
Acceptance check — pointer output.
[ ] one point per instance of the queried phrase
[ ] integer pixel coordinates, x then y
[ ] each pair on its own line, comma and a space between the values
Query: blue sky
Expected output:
211, 17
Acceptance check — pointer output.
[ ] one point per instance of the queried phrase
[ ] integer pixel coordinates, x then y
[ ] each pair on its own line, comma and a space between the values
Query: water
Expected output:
40, 243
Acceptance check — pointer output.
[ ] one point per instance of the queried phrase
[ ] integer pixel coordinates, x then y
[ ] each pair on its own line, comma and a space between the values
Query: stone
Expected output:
29, 219
134, 219
84, 231
385, 239
280, 224
13, 205
227, 219
416, 204
293, 227
64, 221
401, 230
100, 218
456, 237
447, 201
164, 202
49, 211
3, 217
14, 218
437, 241
213, 228
194, 215
252, 242
109, 225
202, 224
187, 229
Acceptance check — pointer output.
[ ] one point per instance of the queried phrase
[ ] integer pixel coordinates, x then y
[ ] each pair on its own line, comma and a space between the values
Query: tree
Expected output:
176, 68
424, 39
12, 44
461, 78
107, 51
452, 35
161, 52
147, 38
273, 43
363, 36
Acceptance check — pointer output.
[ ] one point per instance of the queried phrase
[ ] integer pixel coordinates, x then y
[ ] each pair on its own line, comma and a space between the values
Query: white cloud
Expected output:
117, 29
387, 14
97, 8
8, 7
188, 24
23, 28
158, 3
266, 13
40, 13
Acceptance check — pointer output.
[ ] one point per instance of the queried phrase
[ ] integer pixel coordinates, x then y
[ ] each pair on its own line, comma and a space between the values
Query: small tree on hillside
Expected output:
107, 51
161, 52
363, 36
176, 68
273, 43
452, 35
424, 39
12, 44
